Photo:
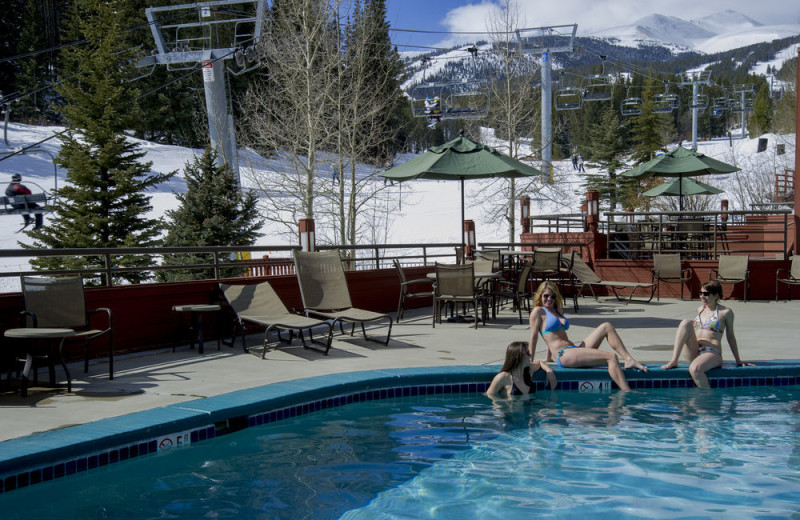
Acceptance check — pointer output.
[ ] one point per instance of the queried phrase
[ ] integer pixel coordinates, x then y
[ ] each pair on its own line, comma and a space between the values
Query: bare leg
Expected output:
608, 332
685, 340
588, 357
702, 364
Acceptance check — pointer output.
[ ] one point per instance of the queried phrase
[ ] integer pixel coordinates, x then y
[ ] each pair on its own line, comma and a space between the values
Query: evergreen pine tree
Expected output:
649, 127
213, 212
105, 202
607, 148
761, 120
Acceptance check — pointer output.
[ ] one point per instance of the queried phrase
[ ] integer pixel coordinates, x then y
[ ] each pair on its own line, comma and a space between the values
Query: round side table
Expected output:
34, 333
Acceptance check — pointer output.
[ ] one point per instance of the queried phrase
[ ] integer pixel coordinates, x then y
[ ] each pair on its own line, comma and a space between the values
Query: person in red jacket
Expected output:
15, 188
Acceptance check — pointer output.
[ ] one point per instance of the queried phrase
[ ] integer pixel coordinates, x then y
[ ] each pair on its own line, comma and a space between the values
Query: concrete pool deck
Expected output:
766, 331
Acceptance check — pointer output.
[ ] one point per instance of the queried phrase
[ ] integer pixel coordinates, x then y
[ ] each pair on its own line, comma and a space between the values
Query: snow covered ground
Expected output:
430, 209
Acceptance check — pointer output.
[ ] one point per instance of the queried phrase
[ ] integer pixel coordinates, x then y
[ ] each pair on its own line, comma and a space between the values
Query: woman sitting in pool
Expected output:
515, 376
547, 319
700, 339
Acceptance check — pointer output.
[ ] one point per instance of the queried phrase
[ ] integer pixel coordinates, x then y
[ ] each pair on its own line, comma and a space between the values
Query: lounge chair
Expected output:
586, 277
261, 306
732, 269
323, 287
667, 268
789, 276
405, 291
61, 303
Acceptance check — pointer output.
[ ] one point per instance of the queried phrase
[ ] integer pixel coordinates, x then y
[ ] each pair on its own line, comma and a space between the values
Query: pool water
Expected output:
676, 453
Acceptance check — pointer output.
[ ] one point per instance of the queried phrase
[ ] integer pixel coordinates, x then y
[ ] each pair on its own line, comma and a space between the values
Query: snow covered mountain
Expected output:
714, 33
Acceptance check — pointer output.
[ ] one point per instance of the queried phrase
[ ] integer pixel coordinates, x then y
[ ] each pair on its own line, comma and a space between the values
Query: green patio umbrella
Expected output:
680, 162
461, 159
680, 186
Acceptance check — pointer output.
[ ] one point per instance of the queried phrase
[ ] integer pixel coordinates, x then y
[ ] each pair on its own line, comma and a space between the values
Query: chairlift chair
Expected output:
569, 98
598, 87
467, 100
700, 103
721, 104
666, 102
424, 91
631, 105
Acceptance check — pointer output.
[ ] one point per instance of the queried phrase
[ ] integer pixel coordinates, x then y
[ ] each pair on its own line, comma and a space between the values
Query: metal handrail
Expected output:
224, 257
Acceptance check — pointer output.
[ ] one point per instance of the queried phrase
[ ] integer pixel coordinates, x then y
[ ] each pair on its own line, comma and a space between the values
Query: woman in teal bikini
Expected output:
547, 319
701, 339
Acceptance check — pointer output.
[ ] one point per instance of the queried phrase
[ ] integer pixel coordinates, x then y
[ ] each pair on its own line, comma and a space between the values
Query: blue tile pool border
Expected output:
45, 456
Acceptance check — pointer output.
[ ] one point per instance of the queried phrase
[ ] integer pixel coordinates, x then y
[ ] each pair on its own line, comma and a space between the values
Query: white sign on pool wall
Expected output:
594, 386
174, 440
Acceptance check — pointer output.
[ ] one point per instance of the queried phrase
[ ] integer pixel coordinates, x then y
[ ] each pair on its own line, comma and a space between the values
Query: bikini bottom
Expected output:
561, 353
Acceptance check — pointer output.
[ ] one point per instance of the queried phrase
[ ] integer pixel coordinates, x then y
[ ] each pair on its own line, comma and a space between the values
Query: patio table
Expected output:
31, 334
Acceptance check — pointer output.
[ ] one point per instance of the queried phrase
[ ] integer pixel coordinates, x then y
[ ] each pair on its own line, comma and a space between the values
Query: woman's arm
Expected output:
730, 335
535, 321
499, 384
549, 374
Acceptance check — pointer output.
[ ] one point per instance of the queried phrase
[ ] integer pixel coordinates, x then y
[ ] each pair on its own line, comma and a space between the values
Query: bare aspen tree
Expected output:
322, 114
366, 101
287, 113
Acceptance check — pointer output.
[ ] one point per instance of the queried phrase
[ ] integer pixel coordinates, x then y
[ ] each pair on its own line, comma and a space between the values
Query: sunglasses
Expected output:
548, 296
704, 293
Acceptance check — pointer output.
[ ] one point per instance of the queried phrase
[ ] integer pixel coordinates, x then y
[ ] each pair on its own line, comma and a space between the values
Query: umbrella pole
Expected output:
461, 224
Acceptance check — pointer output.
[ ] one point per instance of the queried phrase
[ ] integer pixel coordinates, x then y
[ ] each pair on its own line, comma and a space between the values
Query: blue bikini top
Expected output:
552, 323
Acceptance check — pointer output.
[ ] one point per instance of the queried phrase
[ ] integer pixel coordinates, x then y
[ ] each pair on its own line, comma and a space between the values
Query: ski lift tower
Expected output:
206, 34
695, 79
546, 41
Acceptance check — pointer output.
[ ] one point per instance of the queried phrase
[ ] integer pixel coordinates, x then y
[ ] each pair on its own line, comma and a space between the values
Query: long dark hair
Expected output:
515, 355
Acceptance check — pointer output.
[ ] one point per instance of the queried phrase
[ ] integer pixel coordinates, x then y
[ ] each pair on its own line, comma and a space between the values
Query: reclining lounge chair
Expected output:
586, 277
259, 305
323, 287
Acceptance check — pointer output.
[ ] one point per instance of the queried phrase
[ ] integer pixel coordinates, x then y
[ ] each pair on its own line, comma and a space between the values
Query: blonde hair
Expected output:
547, 284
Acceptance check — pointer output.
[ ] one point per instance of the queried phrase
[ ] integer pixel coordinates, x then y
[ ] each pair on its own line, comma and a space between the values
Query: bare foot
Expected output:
632, 363
671, 364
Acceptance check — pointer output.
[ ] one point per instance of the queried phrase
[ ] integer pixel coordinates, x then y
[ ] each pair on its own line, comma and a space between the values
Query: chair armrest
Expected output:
23, 322
711, 273
686, 270
782, 272
418, 281
101, 310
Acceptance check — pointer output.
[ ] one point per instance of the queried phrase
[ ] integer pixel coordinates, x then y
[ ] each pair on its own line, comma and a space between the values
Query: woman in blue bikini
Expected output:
547, 319
700, 339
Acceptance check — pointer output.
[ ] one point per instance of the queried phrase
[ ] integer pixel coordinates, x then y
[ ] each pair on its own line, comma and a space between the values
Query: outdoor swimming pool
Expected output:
665, 453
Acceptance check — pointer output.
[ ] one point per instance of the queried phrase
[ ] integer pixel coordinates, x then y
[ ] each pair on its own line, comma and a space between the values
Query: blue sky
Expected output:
590, 15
